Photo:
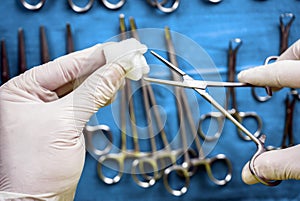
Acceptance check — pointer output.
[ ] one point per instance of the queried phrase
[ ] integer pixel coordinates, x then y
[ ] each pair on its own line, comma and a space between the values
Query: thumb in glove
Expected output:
275, 165
284, 72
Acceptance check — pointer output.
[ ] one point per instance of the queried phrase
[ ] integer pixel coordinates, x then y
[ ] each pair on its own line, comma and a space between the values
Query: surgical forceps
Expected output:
188, 167
21, 51
230, 94
285, 23
124, 154
5, 75
157, 156
191, 83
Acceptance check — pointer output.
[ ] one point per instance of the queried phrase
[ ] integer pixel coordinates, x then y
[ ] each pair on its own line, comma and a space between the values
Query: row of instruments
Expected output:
165, 6
175, 166
147, 168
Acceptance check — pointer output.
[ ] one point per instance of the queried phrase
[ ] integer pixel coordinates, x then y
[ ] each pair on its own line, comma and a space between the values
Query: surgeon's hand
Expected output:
285, 72
42, 148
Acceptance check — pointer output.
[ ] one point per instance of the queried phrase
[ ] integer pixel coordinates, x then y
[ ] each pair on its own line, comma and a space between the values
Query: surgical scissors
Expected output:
124, 154
285, 23
189, 166
234, 45
202, 91
5, 75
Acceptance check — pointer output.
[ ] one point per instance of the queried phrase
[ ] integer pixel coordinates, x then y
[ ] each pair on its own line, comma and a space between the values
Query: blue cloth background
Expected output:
211, 26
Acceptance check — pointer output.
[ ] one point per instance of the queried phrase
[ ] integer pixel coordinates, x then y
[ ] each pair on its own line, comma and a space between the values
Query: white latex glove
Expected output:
285, 72
282, 73
42, 149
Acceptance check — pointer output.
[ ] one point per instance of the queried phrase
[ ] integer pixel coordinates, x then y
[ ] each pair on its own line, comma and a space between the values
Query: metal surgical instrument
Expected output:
213, 1
160, 4
288, 137
21, 51
69, 39
189, 166
88, 6
162, 157
230, 95
45, 56
285, 23
90, 131
152, 160
290, 104
36, 6
124, 154
5, 75
76, 8
285, 30
258, 141
269, 95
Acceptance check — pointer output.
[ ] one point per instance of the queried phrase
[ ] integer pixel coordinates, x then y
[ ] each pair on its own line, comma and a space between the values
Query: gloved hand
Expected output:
285, 72
42, 148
